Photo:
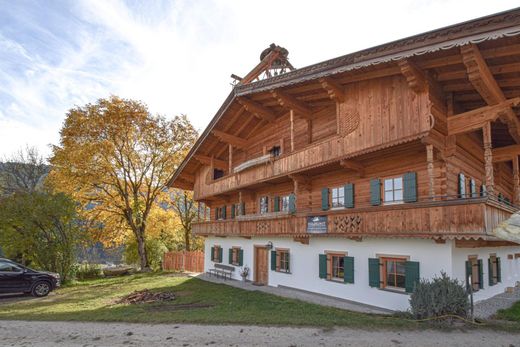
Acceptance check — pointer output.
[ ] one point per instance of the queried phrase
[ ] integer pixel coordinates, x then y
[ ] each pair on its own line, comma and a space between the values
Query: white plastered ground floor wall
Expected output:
433, 258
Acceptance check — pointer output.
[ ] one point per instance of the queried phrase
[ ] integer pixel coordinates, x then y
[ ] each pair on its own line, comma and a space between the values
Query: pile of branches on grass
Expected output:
145, 296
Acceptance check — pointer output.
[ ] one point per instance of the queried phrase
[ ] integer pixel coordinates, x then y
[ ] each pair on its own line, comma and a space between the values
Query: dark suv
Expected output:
16, 278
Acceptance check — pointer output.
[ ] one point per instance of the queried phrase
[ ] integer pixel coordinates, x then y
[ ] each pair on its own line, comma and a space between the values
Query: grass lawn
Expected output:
217, 304
512, 313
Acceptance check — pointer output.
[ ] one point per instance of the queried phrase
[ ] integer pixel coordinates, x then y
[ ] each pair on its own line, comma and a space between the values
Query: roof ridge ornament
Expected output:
274, 61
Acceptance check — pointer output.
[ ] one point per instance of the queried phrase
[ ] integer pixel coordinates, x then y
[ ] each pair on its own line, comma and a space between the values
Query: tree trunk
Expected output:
187, 240
141, 249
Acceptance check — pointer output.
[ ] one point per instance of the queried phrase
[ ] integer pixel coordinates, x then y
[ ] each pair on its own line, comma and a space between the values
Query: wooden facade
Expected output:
442, 106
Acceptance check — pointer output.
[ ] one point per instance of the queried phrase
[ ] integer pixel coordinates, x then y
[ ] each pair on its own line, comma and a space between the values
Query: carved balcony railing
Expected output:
448, 219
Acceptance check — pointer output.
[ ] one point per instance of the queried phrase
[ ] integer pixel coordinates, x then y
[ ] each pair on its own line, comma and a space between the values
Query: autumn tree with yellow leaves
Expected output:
115, 158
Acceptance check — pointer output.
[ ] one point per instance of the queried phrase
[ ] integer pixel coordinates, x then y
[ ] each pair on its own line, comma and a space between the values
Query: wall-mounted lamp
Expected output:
269, 245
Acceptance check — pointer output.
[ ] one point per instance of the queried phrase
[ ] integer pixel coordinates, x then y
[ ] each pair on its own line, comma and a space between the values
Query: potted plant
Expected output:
244, 272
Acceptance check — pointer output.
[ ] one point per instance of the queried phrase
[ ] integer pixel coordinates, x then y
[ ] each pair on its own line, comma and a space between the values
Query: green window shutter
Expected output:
212, 254
375, 192
273, 260
276, 204
410, 187
223, 212
473, 188
292, 203
412, 275
325, 199
323, 265
216, 213
348, 273
233, 212
243, 208
241, 257
483, 190
468, 273
480, 274
230, 258
373, 273
499, 270
288, 262
490, 272
349, 195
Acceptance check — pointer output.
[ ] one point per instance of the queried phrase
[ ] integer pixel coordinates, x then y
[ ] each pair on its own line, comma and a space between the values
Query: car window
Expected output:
8, 267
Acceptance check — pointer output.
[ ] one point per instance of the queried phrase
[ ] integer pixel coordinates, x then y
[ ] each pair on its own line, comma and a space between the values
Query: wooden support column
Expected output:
309, 131
431, 173
291, 115
488, 159
230, 159
516, 181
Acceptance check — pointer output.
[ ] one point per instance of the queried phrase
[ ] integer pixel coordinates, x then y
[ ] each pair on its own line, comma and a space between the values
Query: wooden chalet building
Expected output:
357, 176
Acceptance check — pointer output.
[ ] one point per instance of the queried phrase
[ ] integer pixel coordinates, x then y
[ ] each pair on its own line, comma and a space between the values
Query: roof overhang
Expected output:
500, 25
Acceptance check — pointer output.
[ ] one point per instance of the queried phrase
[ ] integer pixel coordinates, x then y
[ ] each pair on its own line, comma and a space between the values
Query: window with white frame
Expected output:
284, 202
393, 190
338, 197
264, 204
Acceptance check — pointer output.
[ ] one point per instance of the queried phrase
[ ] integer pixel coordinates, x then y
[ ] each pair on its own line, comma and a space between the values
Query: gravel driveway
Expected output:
19, 333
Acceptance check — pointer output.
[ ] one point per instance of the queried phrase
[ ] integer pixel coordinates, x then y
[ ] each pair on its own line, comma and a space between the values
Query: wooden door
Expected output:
261, 270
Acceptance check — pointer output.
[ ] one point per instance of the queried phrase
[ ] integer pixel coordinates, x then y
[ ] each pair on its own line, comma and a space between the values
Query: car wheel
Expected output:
41, 289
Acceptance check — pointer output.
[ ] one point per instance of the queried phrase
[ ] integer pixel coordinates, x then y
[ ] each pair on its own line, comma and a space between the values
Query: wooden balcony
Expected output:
473, 218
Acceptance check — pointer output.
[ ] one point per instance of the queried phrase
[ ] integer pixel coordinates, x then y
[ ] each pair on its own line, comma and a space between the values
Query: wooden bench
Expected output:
222, 270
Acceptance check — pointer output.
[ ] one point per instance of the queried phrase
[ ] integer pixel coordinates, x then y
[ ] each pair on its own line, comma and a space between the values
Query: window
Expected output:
216, 254
462, 185
474, 269
264, 204
393, 190
338, 197
235, 256
275, 151
9, 267
337, 267
394, 273
217, 173
282, 260
284, 201
220, 213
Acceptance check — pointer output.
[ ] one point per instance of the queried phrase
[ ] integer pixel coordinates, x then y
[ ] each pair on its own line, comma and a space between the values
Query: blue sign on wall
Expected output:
317, 224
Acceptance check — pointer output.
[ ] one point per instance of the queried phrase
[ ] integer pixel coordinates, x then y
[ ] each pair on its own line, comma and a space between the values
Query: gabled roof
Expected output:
492, 27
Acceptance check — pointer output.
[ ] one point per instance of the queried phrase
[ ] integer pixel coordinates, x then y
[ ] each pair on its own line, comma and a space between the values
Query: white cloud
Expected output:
177, 56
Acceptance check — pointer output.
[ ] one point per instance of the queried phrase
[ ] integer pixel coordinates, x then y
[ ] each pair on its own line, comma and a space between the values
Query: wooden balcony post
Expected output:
291, 114
516, 181
488, 158
431, 174
230, 159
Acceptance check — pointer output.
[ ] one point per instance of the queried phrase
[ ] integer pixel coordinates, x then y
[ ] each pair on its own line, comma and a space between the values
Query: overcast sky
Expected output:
177, 56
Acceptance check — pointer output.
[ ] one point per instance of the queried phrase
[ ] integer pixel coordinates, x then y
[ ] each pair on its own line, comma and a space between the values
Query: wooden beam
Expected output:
230, 139
290, 102
351, 164
291, 117
431, 171
230, 158
488, 158
333, 88
484, 82
516, 181
204, 159
505, 153
257, 109
476, 119
414, 76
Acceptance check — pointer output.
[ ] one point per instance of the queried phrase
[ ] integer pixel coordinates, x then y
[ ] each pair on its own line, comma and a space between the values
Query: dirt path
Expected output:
18, 333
